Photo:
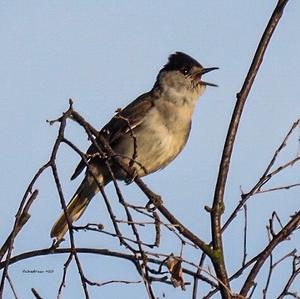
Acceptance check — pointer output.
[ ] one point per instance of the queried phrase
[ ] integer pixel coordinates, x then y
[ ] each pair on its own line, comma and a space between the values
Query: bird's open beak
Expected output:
204, 71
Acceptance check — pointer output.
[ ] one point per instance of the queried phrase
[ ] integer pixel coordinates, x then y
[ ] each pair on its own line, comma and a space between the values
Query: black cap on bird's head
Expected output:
179, 61
184, 63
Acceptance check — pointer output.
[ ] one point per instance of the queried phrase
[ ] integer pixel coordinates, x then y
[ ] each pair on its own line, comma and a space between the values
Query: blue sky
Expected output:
103, 54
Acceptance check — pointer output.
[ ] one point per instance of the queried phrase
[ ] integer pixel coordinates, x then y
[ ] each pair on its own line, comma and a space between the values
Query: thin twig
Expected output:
24, 217
256, 189
36, 294
218, 204
96, 251
63, 281
57, 143
12, 287
294, 274
277, 239
245, 236
17, 221
277, 188
101, 284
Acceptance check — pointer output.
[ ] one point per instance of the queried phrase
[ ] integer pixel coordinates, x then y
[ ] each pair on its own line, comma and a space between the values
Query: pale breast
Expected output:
162, 136
157, 140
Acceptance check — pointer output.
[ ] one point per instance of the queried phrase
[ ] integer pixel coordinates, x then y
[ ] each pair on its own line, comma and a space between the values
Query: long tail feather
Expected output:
75, 208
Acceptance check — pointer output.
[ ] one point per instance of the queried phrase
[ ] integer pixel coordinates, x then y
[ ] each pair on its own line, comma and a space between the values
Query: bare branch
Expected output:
218, 204
36, 294
277, 239
24, 217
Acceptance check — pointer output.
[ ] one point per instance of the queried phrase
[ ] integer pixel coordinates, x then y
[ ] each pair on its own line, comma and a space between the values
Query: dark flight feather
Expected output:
122, 123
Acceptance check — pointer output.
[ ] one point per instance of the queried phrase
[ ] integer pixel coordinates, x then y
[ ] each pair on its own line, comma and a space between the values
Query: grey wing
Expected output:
122, 123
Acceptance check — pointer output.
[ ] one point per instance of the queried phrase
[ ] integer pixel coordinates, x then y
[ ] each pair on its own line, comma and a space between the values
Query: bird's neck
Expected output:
179, 91
181, 97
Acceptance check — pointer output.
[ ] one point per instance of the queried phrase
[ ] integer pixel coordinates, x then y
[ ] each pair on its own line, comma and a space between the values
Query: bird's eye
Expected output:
184, 71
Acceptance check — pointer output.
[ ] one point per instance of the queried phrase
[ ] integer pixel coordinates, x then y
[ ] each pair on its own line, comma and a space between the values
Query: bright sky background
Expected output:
103, 54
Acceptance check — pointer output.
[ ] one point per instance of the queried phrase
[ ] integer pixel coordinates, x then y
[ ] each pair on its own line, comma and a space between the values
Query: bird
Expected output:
147, 134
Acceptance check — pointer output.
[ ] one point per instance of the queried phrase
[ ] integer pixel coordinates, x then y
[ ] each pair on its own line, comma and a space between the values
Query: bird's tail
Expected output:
77, 205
